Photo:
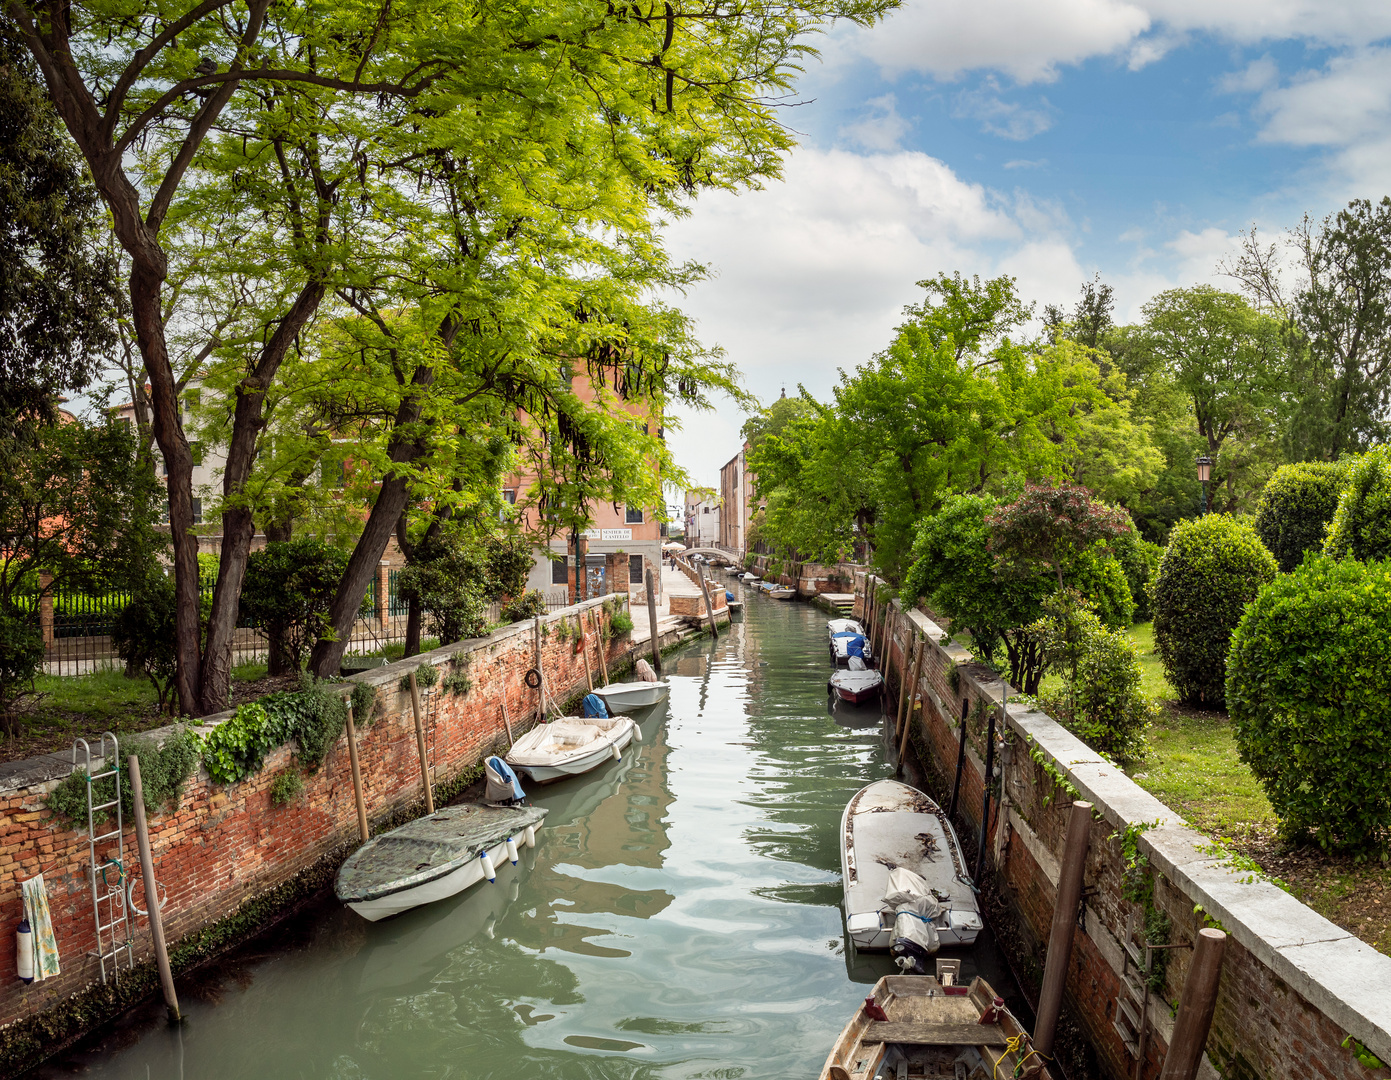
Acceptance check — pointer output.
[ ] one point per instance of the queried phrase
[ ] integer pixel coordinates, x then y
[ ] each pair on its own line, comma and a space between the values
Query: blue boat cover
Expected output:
728, 595
844, 633
855, 646
593, 705
503, 770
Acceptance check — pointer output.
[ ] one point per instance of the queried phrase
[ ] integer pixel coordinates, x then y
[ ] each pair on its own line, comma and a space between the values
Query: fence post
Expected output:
46, 608
383, 600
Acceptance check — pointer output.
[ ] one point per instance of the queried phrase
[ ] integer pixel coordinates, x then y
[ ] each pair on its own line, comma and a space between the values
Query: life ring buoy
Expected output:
533, 678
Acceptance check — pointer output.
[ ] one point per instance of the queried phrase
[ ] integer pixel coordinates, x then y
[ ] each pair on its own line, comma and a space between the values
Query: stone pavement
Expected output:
673, 582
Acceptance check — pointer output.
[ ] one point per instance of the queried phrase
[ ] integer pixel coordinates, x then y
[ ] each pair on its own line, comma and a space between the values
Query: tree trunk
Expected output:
238, 525
366, 557
413, 626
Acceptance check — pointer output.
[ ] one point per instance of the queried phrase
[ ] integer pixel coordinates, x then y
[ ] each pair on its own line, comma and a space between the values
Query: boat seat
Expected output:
925, 1035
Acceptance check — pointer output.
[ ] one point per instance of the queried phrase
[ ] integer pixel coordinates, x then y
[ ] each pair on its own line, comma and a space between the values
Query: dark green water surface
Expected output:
678, 918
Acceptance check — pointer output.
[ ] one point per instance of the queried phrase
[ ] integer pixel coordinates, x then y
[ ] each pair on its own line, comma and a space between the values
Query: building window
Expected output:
197, 511
560, 571
509, 496
634, 569
633, 516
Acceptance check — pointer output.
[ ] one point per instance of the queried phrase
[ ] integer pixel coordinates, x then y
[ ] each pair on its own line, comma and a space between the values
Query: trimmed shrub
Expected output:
144, 635
1296, 506
1361, 526
289, 587
1213, 567
527, 606
1140, 560
1307, 687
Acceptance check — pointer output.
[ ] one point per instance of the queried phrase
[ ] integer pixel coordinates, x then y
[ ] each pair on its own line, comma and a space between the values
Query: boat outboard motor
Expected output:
593, 707
915, 937
503, 787
644, 671
857, 663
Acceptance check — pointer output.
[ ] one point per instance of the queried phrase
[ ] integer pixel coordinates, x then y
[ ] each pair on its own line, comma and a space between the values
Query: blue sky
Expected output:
1047, 139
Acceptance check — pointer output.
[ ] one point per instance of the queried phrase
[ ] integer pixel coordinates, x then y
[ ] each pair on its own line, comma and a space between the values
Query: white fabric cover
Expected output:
909, 892
856, 663
644, 671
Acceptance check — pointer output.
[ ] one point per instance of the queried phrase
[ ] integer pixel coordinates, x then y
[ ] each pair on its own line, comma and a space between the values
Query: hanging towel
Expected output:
45, 944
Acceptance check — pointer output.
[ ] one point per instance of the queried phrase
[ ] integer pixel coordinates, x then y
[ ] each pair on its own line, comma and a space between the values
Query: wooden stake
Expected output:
147, 871
584, 651
1196, 1006
912, 696
709, 611
506, 720
540, 676
599, 646
420, 744
652, 619
357, 778
1050, 996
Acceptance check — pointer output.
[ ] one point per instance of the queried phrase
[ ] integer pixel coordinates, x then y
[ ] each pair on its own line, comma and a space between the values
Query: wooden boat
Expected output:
933, 1029
433, 857
856, 686
889, 826
626, 697
570, 745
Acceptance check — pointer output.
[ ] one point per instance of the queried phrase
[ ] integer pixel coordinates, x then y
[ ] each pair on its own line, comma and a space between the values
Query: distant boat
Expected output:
889, 828
857, 686
781, 592
626, 697
570, 746
946, 1029
433, 857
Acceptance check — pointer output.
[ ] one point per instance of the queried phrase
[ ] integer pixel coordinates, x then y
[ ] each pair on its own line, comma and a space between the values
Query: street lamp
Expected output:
1204, 475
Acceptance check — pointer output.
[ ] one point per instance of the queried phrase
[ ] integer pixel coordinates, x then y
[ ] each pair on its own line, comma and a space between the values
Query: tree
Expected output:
1051, 527
456, 573
58, 295
289, 586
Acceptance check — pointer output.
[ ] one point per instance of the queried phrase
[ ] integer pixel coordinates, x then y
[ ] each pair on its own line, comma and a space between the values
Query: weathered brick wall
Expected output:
1294, 986
226, 845
809, 579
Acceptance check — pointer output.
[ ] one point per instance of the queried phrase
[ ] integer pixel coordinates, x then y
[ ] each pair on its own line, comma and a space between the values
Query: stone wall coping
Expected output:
51, 768
1332, 969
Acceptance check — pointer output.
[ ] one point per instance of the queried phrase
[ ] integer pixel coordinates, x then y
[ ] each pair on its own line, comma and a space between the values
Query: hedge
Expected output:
1296, 506
1361, 526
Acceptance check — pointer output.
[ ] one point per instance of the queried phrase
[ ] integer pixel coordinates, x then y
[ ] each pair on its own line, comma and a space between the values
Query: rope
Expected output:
120, 872
1014, 1046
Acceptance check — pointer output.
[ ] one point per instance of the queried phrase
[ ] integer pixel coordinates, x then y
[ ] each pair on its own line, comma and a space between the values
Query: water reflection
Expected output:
679, 917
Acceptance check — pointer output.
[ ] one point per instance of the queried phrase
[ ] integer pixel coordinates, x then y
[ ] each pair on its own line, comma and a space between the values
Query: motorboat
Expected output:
627, 697
781, 592
434, 857
856, 685
843, 626
901, 866
846, 644
570, 746
921, 1026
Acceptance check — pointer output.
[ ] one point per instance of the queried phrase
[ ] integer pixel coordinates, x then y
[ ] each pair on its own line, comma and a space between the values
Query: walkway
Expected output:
673, 581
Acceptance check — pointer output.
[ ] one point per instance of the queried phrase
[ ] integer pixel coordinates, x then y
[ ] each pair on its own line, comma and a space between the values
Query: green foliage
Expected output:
288, 588
143, 635
164, 770
1139, 559
1059, 780
1361, 526
21, 654
456, 682
314, 715
1212, 568
426, 675
1364, 1056
621, 623
364, 702
1307, 687
286, 787
235, 748
1050, 526
527, 606
455, 574
1296, 507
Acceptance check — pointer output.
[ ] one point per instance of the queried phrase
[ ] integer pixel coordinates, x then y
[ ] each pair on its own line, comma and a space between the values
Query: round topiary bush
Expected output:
1296, 507
1307, 687
1361, 526
1213, 567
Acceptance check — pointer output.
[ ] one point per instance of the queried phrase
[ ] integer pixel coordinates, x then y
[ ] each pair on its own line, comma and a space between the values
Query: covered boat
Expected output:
570, 745
848, 643
844, 626
920, 1026
626, 697
900, 857
857, 684
434, 857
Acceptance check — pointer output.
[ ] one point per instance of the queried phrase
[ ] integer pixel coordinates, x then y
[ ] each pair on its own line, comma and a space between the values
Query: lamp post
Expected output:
1204, 475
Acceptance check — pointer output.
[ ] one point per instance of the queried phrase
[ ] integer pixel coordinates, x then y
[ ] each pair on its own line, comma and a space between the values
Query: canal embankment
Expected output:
1299, 995
232, 858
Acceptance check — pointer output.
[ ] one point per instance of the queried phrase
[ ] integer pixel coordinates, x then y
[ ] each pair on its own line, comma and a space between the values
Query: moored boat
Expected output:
781, 592
626, 697
844, 626
570, 746
900, 857
925, 1026
434, 857
848, 643
857, 686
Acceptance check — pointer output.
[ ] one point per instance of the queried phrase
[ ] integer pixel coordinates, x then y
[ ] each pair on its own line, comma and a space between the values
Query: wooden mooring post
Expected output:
420, 745
1196, 1006
1050, 996
147, 872
357, 778
652, 621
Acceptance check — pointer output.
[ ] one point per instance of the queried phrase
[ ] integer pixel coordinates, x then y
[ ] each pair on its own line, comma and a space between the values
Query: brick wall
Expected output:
226, 845
1294, 986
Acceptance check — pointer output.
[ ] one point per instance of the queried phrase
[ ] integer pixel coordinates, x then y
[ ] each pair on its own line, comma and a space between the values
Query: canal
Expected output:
679, 916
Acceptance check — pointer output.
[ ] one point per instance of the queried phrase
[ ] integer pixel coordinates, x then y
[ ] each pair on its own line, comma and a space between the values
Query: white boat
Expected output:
890, 827
843, 626
626, 697
570, 745
434, 857
781, 592
749, 578
857, 686
841, 643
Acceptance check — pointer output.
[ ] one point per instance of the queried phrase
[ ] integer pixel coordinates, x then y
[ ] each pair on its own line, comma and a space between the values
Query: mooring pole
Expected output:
709, 611
652, 620
907, 721
1195, 1007
584, 651
540, 675
507, 720
420, 744
599, 647
960, 758
985, 798
1050, 996
147, 871
357, 777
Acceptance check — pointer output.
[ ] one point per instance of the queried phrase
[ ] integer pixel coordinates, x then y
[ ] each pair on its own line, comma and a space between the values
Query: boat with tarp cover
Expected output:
434, 857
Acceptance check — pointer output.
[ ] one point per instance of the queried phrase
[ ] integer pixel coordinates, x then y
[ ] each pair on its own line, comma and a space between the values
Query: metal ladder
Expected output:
1132, 1005
110, 910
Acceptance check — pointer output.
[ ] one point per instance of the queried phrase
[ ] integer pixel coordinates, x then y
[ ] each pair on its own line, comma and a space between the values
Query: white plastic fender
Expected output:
531, 836
512, 850
24, 952
637, 733
617, 753
488, 871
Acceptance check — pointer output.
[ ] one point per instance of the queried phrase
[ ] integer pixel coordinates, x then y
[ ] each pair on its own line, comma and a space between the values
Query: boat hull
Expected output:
469, 874
631, 696
857, 693
600, 751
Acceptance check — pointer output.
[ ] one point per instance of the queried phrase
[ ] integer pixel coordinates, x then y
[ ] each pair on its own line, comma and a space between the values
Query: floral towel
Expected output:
36, 911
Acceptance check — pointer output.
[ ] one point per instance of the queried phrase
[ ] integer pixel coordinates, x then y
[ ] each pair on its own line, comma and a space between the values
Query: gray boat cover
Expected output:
428, 848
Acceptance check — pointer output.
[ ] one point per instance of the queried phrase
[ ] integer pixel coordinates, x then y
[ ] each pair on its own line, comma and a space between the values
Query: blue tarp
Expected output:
593, 705
856, 646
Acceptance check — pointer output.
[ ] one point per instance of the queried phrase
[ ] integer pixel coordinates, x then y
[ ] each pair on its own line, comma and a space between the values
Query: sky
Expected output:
1050, 140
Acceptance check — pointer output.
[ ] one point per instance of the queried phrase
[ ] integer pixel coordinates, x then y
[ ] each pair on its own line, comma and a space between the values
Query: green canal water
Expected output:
678, 918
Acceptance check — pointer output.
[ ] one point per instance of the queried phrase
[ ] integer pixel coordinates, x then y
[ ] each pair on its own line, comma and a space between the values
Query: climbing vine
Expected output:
1238, 863
1059, 779
1137, 886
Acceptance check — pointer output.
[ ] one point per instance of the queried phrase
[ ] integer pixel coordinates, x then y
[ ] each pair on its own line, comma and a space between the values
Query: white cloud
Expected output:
880, 128
1256, 76
1021, 163
1345, 103
1007, 119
